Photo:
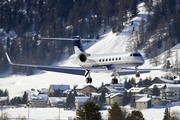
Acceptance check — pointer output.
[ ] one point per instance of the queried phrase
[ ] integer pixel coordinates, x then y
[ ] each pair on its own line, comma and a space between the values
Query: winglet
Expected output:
9, 60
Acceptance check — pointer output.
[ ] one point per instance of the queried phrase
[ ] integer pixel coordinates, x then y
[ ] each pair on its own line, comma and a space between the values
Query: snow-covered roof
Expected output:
82, 99
61, 87
113, 90
43, 90
3, 99
84, 86
135, 89
96, 94
158, 85
113, 95
80, 94
40, 97
165, 80
173, 86
143, 99
57, 99
141, 95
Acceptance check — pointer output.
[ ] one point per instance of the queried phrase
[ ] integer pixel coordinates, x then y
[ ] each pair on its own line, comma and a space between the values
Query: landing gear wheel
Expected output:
88, 80
114, 81
137, 75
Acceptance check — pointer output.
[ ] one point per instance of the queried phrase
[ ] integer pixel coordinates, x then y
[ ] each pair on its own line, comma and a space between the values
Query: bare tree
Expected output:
155, 59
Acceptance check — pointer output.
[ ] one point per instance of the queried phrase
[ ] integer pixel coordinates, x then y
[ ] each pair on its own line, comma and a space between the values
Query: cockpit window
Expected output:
135, 54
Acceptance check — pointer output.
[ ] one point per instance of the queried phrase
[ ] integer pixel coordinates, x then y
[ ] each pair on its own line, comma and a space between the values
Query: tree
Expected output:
135, 115
70, 101
134, 9
24, 99
155, 91
166, 114
155, 59
141, 32
92, 112
115, 113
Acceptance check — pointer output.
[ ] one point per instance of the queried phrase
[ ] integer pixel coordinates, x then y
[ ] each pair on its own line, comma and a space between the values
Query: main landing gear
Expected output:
115, 80
137, 72
88, 79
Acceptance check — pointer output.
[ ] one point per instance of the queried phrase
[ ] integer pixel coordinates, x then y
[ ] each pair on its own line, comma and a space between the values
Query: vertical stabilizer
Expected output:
78, 48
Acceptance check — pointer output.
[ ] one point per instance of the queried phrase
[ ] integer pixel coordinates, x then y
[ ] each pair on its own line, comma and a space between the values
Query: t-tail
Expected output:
78, 48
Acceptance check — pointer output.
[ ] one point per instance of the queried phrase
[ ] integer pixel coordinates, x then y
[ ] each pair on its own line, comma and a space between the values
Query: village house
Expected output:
114, 98
95, 96
56, 101
137, 90
37, 100
4, 100
114, 88
170, 92
159, 86
86, 90
79, 101
62, 88
147, 102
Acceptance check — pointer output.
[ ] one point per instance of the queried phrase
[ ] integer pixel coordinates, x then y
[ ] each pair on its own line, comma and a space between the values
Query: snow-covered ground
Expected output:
109, 43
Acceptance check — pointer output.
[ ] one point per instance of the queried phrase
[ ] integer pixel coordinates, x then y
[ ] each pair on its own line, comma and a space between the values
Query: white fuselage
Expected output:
112, 61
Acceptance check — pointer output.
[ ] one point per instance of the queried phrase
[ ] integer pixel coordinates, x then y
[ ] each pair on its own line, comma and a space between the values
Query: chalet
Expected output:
79, 101
159, 86
56, 101
114, 98
4, 100
171, 92
137, 90
147, 102
86, 90
37, 100
114, 88
62, 88
143, 103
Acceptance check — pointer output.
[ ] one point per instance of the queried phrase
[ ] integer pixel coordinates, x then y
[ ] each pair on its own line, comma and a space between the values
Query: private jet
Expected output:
125, 63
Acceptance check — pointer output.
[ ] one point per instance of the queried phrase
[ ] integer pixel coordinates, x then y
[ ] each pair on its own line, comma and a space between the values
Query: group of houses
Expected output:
141, 96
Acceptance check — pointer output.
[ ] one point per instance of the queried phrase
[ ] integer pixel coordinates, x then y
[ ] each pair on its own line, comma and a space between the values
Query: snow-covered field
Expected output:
109, 43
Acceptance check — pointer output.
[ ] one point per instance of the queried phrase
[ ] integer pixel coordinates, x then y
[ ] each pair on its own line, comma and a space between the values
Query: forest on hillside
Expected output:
30, 19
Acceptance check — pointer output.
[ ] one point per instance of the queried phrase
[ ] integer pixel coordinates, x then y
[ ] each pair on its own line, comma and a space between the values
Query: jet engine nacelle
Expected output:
82, 57
78, 58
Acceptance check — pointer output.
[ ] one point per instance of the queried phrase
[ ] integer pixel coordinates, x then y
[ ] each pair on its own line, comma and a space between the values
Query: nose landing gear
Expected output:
137, 72
115, 80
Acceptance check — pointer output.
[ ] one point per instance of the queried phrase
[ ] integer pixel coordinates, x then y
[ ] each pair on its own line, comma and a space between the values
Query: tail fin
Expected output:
78, 48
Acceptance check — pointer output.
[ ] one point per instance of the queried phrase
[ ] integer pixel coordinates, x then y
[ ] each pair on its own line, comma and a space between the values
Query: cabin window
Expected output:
116, 58
130, 54
112, 59
106, 59
119, 58
103, 60
99, 60
109, 59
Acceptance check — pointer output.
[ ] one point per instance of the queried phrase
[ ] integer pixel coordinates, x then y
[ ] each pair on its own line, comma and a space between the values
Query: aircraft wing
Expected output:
62, 69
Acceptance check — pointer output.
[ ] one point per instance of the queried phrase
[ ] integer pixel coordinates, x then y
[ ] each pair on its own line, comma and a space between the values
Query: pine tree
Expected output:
135, 115
92, 112
24, 99
115, 113
166, 114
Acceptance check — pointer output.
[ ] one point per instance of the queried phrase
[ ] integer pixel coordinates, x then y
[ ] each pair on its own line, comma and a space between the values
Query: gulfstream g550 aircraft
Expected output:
117, 63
